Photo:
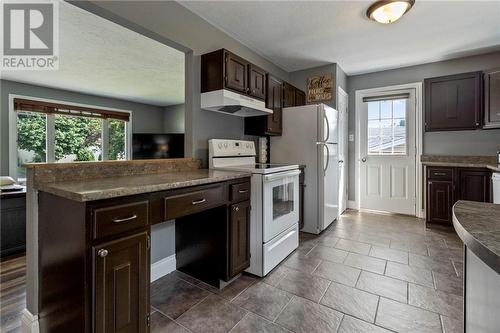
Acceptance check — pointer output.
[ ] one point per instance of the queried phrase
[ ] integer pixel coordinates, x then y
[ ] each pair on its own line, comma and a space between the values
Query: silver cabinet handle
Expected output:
237, 208
439, 174
197, 202
102, 253
363, 159
126, 219
341, 161
242, 191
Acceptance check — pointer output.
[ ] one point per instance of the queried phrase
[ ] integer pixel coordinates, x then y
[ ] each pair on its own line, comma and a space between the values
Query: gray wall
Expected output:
171, 23
145, 118
173, 118
475, 142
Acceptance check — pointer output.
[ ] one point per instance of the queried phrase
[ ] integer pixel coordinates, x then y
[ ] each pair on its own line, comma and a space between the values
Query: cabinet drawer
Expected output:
440, 173
116, 219
240, 192
193, 202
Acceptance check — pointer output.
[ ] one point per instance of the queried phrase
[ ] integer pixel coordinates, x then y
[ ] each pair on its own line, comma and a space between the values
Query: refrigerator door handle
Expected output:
327, 127
327, 155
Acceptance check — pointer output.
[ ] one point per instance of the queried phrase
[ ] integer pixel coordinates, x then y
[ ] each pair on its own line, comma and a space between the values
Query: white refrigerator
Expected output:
311, 136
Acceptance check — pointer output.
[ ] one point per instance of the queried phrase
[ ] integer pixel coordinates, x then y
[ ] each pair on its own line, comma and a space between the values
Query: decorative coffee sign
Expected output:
319, 88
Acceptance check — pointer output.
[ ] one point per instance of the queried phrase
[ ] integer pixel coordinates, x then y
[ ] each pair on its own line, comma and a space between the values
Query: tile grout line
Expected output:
239, 321
281, 311
376, 311
175, 321
329, 284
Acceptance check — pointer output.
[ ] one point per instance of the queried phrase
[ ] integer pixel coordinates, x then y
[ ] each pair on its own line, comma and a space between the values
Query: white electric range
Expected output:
274, 217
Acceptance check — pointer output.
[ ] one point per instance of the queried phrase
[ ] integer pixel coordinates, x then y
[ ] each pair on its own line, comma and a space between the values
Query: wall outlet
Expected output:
351, 137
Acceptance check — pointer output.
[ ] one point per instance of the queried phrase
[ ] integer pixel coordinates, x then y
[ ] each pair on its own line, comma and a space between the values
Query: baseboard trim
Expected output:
163, 267
352, 204
29, 322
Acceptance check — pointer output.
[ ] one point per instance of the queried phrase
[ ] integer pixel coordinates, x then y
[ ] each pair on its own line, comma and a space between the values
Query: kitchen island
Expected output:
93, 223
478, 225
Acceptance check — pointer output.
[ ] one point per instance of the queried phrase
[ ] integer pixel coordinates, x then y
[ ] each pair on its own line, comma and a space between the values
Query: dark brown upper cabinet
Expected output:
454, 102
236, 75
256, 82
492, 99
288, 95
300, 97
222, 69
271, 124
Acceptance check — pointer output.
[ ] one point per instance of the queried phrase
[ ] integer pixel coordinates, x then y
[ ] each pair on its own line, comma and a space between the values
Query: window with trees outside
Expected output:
50, 132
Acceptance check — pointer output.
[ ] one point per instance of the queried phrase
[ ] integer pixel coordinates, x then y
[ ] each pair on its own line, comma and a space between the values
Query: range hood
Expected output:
228, 102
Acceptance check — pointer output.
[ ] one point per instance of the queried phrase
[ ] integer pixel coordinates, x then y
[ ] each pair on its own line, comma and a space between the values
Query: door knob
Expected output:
363, 159
236, 208
102, 253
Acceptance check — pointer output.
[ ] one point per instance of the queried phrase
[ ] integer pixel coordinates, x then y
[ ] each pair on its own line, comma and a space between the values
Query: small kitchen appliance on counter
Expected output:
274, 217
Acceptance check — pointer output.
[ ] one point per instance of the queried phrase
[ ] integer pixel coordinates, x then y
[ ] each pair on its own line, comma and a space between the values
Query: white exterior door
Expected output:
342, 103
387, 151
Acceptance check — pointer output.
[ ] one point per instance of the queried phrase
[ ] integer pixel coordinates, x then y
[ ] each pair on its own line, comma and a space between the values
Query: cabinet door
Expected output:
474, 185
236, 72
122, 285
439, 201
239, 231
453, 102
257, 82
492, 98
300, 97
274, 101
288, 95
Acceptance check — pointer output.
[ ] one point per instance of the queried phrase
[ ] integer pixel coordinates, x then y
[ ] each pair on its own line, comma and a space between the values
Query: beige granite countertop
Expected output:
488, 162
110, 187
478, 225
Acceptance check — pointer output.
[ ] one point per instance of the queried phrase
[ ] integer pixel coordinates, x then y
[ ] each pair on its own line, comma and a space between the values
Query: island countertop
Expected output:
478, 225
111, 187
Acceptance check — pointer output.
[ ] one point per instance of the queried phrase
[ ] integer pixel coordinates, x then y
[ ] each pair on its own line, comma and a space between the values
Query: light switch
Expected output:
351, 137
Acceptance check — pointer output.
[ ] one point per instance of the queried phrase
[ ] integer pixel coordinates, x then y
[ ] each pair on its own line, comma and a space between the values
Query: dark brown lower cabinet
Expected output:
94, 269
239, 230
439, 201
121, 282
447, 185
475, 185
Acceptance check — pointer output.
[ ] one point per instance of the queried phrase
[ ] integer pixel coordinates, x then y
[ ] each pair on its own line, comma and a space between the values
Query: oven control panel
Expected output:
230, 148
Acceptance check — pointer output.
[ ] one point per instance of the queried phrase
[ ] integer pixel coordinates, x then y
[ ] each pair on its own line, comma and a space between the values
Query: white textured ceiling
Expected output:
302, 34
102, 58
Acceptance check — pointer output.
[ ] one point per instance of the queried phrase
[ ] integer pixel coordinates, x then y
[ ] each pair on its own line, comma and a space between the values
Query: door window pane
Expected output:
31, 140
387, 133
282, 200
116, 139
77, 138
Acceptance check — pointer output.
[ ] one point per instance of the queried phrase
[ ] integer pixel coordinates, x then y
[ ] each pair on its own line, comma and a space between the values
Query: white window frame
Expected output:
50, 131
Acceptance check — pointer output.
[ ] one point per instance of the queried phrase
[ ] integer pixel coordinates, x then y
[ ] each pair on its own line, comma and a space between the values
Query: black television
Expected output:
155, 146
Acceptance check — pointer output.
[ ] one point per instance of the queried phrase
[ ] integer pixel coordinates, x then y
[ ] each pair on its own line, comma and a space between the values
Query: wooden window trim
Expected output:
28, 105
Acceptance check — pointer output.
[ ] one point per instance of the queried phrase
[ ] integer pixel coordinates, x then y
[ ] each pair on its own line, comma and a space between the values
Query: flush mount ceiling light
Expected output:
389, 11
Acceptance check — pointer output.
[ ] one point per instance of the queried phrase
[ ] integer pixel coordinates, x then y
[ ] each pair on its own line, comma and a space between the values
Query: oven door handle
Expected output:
280, 175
